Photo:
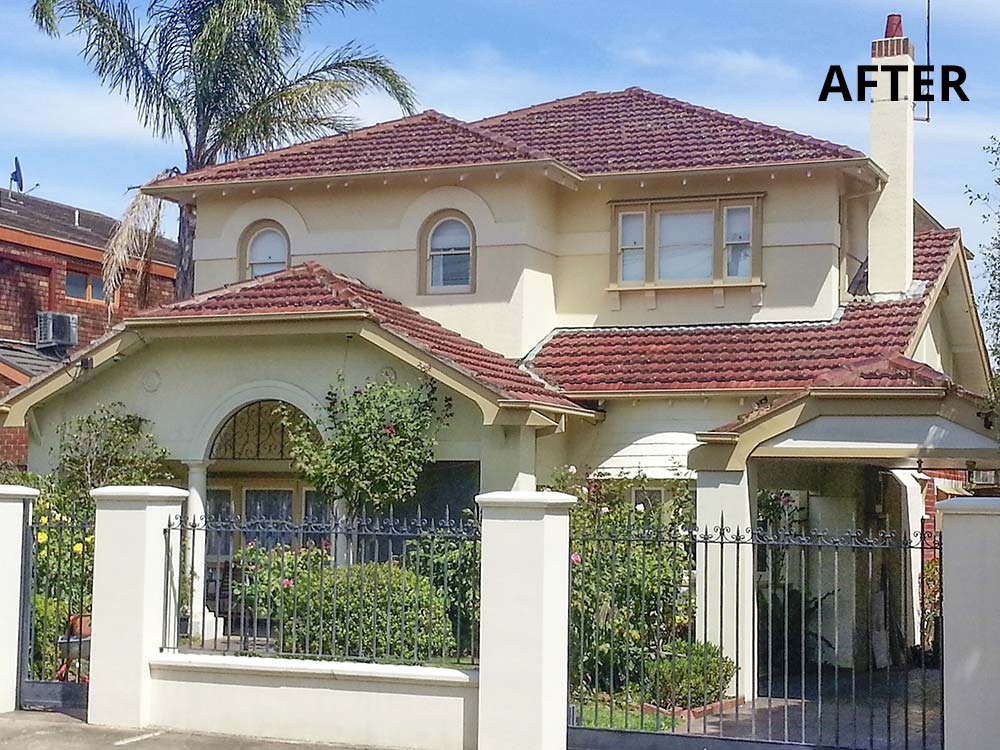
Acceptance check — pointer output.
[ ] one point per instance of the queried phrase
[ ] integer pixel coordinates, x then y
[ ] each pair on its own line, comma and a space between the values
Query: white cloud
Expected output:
738, 65
473, 83
41, 104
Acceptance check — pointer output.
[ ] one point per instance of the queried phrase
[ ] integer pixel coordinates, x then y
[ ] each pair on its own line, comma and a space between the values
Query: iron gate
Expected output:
728, 638
57, 588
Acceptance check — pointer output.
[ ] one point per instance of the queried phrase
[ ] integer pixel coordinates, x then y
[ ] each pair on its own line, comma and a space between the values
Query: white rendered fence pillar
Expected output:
15, 507
523, 651
970, 560
129, 614
725, 577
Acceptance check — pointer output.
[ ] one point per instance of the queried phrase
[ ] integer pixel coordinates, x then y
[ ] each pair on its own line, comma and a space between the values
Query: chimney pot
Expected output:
893, 26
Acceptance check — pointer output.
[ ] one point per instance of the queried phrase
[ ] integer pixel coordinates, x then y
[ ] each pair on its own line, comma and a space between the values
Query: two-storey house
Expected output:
52, 294
620, 281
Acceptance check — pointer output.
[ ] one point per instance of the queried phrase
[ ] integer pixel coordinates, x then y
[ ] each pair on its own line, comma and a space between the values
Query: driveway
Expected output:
34, 730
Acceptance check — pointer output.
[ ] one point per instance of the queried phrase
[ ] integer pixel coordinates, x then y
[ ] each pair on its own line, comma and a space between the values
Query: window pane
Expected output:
76, 285
317, 508
451, 270
688, 228
738, 260
96, 288
451, 235
686, 245
268, 506
633, 232
686, 262
260, 269
219, 505
633, 264
738, 224
268, 246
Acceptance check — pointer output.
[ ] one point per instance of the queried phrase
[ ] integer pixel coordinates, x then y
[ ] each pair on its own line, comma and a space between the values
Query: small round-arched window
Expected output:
449, 257
267, 251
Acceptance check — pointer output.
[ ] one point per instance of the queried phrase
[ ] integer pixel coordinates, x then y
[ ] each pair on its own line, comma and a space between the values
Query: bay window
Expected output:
688, 242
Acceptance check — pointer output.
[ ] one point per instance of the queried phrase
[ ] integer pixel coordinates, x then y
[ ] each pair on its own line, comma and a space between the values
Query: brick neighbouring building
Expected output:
50, 260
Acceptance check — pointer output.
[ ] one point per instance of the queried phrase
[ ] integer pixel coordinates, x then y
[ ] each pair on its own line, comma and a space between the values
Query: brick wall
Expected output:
33, 280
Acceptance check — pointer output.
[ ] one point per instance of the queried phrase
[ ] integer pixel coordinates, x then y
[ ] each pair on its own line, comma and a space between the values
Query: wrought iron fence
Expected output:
58, 571
826, 639
387, 590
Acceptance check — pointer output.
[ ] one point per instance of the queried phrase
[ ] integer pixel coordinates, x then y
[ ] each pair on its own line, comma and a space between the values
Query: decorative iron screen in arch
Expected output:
254, 432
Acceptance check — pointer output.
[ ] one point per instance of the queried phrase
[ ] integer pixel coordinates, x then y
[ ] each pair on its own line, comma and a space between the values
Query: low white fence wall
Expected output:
368, 705
516, 699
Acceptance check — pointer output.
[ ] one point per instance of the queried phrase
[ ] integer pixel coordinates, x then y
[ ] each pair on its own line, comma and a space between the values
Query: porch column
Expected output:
15, 510
726, 605
524, 620
131, 618
195, 553
970, 560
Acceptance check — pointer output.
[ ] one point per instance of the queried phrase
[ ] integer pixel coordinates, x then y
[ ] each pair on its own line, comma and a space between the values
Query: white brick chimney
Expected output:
890, 229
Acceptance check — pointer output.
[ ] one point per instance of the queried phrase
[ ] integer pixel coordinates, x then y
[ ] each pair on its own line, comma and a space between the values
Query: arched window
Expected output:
449, 254
266, 251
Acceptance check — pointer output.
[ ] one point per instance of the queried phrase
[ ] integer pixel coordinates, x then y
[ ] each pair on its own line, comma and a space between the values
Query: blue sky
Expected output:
765, 60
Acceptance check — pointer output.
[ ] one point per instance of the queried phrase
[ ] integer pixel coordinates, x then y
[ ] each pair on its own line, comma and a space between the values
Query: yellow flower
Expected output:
89, 539
78, 547
43, 537
42, 554
56, 517
44, 520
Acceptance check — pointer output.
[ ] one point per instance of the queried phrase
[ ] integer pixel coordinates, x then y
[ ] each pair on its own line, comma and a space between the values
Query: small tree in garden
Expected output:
376, 439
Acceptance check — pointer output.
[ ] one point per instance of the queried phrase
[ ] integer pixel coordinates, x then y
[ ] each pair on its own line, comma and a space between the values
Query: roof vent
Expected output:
56, 329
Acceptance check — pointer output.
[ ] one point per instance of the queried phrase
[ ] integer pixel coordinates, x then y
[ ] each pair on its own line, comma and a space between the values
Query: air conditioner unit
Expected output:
56, 329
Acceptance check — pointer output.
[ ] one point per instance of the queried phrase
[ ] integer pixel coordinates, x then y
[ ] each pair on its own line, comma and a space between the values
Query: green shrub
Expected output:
687, 674
50, 618
452, 565
370, 611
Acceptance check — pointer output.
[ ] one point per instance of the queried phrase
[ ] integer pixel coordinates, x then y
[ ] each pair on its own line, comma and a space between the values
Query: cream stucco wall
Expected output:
542, 247
186, 389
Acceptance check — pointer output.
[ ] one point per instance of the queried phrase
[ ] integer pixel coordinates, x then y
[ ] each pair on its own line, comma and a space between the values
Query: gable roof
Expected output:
45, 218
591, 134
311, 288
585, 361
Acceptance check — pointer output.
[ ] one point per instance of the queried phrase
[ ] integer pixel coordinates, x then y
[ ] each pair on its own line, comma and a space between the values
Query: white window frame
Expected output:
449, 289
726, 244
658, 269
622, 248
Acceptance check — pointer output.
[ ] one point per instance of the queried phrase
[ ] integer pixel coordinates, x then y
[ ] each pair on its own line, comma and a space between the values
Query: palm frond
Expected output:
131, 242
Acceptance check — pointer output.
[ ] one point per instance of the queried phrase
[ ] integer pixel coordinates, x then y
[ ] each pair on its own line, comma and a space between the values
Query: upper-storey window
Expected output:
449, 254
694, 242
85, 286
267, 251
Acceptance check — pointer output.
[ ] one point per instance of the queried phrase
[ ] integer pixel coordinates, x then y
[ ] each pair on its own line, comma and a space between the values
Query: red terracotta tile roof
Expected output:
592, 133
423, 141
310, 288
638, 131
894, 371
753, 356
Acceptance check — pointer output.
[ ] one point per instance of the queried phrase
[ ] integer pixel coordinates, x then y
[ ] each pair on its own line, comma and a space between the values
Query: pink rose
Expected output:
390, 429
575, 558
288, 583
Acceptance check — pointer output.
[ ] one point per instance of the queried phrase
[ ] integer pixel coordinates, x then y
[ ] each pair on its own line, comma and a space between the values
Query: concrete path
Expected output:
35, 730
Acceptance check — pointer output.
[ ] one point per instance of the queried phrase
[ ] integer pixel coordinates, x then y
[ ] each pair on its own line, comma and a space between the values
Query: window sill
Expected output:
751, 283
718, 288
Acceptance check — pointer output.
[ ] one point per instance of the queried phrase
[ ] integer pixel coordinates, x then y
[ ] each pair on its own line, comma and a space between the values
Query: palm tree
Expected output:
227, 78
